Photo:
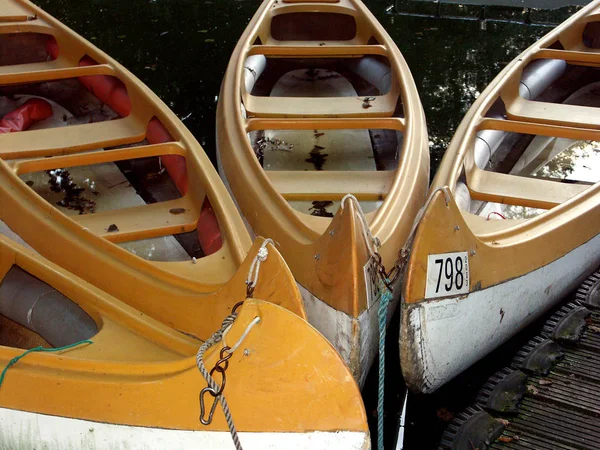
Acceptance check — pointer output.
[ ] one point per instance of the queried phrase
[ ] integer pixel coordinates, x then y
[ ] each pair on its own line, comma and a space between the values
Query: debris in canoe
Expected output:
367, 102
112, 228
268, 144
177, 211
319, 208
317, 158
318, 74
61, 181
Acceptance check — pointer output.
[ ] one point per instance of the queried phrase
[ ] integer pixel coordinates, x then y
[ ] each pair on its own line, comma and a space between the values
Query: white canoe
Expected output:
512, 222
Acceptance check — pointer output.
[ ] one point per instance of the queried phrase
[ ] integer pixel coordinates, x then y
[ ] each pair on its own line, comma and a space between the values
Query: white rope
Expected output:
242, 337
261, 256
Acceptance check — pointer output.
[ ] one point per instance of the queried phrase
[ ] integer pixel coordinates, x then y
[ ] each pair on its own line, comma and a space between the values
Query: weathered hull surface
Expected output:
24, 430
447, 336
511, 224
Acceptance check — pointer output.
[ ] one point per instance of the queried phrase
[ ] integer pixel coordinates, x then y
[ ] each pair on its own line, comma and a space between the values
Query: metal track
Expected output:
549, 398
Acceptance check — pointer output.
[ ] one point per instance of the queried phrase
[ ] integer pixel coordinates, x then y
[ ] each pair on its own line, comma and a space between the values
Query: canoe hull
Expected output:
440, 338
20, 429
310, 104
355, 338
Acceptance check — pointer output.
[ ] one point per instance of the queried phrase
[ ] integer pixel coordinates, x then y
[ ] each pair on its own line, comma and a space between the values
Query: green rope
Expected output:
386, 297
16, 359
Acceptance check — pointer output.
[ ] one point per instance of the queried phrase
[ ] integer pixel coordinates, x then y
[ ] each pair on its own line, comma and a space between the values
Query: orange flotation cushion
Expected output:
30, 112
107, 89
52, 47
112, 91
209, 234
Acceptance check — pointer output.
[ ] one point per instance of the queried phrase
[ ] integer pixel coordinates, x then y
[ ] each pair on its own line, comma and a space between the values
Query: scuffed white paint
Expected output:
449, 335
337, 327
26, 431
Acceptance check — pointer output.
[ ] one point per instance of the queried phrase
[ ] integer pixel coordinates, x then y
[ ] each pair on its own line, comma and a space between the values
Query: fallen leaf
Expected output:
508, 438
544, 382
504, 422
444, 414
532, 389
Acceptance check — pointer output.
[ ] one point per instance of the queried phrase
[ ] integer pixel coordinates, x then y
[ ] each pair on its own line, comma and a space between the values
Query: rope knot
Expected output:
262, 254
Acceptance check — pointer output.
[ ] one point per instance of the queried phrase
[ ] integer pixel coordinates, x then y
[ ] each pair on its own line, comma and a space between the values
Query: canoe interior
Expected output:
320, 69
570, 164
33, 313
313, 26
344, 150
116, 188
23, 48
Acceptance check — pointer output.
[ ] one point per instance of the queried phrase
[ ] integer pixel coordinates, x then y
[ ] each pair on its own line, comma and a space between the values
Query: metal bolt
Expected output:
456, 228
317, 256
331, 233
246, 352
473, 252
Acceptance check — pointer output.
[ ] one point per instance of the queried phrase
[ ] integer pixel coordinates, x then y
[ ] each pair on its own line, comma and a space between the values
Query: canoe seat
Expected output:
331, 185
56, 141
12, 12
311, 1
142, 222
382, 106
516, 190
47, 71
553, 113
315, 50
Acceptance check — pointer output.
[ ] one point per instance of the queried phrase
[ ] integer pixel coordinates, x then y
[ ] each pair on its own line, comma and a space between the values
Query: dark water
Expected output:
181, 48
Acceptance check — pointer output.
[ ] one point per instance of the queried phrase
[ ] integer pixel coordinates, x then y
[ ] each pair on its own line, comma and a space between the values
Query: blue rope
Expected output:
386, 296
13, 361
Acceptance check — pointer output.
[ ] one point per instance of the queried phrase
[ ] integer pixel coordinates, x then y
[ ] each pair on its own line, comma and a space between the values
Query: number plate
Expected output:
447, 275
372, 282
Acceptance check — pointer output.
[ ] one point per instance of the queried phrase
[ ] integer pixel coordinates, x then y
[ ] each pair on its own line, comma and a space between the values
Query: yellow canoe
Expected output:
133, 382
317, 103
106, 183
511, 225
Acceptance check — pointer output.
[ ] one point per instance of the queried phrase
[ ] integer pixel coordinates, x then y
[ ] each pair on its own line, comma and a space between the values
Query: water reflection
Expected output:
577, 161
180, 49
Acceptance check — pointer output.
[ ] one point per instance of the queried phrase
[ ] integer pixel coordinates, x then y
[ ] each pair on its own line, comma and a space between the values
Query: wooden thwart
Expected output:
331, 185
